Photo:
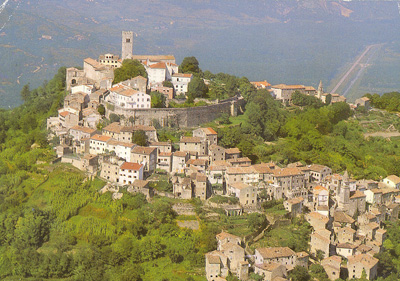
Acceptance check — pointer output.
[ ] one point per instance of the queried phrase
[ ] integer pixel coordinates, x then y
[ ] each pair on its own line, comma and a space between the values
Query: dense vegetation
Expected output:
129, 69
388, 101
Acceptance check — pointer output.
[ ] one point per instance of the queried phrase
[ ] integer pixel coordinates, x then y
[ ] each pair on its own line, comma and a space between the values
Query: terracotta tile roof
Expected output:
240, 170
239, 160
240, 185
64, 113
347, 229
309, 88
94, 63
317, 190
275, 252
190, 139
268, 266
121, 143
336, 259
288, 87
296, 200
234, 150
83, 129
264, 168
373, 225
223, 235
165, 154
213, 259
376, 190
131, 166
363, 248
209, 131
159, 65
153, 57
342, 218
365, 99
320, 237
100, 138
140, 183
346, 246
357, 194
381, 230
201, 178
286, 172
302, 255
317, 168
180, 154
143, 150
159, 143
113, 128
366, 260
231, 246
260, 83
184, 75
197, 162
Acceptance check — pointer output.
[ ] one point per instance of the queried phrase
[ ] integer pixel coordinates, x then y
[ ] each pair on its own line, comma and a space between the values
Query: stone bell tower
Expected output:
127, 44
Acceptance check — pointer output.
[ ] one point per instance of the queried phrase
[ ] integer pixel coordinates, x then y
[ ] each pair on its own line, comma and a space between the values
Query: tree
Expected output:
189, 65
197, 88
25, 93
157, 100
299, 273
101, 109
129, 69
168, 84
140, 138
114, 118
255, 220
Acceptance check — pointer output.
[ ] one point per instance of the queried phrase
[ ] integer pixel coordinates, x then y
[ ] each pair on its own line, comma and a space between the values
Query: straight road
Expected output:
367, 49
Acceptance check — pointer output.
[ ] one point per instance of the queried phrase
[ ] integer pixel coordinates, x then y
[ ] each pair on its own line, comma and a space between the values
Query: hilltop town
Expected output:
110, 130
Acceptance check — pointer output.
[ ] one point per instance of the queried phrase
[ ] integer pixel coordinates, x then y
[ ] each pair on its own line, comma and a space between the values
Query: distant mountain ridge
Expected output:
235, 35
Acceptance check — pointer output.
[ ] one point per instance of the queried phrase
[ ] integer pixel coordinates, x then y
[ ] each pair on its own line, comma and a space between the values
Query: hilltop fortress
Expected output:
98, 75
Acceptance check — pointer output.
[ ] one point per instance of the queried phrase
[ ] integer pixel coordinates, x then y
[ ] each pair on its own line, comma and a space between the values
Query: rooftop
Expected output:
131, 166
275, 252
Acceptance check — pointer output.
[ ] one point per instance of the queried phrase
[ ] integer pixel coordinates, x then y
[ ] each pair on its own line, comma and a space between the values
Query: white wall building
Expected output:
121, 149
98, 144
128, 98
86, 89
129, 172
181, 82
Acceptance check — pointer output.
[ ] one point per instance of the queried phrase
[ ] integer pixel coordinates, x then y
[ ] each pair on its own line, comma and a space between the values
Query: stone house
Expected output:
284, 92
141, 186
193, 144
166, 91
368, 230
357, 203
146, 156
294, 206
362, 262
364, 101
318, 173
231, 153
270, 271
343, 219
127, 98
201, 189
235, 255
216, 265
206, 135
179, 159
129, 172
216, 153
280, 255
320, 241
138, 83
332, 266
91, 117
110, 168
345, 249
392, 181
95, 72
380, 235
165, 147
264, 171
239, 162
373, 196
79, 132
320, 196
216, 174
183, 188
225, 237
247, 194
392, 212
291, 181
345, 235
164, 161
317, 221
247, 175
200, 165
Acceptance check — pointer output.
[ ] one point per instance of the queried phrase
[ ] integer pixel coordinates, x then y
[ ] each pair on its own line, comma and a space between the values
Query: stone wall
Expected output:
181, 117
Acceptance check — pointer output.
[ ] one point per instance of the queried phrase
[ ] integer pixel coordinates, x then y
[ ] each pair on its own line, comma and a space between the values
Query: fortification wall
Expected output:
179, 117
